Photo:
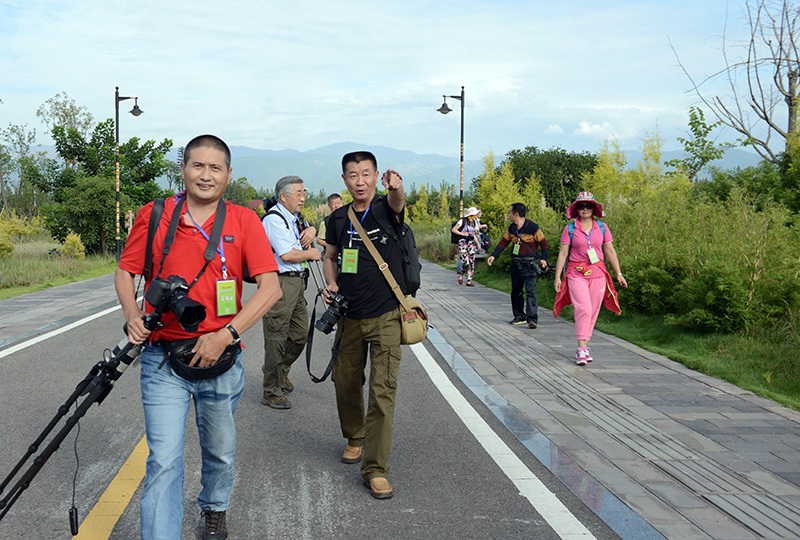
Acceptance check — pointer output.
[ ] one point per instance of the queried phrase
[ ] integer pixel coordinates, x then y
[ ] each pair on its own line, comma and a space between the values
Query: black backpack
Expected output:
454, 238
412, 269
404, 236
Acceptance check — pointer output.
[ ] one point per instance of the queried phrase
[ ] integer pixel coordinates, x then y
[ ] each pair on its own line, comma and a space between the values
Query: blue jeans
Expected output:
523, 274
166, 399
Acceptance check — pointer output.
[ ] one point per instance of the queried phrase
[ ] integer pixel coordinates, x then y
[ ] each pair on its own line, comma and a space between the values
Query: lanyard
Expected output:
352, 230
588, 236
216, 232
295, 220
220, 249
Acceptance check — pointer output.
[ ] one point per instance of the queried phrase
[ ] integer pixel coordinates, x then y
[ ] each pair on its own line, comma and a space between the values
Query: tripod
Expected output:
96, 385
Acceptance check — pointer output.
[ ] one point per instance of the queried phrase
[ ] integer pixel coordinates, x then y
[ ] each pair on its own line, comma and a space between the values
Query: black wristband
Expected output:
234, 333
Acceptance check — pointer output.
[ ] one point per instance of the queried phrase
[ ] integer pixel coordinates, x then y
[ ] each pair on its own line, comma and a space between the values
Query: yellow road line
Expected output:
105, 514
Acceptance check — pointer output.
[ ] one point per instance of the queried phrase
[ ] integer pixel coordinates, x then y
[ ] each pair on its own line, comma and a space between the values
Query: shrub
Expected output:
73, 247
714, 298
6, 247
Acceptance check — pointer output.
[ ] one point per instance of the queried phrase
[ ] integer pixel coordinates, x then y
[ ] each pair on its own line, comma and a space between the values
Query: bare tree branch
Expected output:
764, 86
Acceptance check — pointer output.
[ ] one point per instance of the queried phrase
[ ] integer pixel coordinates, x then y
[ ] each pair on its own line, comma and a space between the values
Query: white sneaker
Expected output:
582, 356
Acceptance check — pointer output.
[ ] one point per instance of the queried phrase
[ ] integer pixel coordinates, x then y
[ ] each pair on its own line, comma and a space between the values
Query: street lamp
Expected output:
136, 111
444, 109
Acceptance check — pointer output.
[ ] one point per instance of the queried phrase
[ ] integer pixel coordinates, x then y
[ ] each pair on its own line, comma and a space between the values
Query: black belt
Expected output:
294, 273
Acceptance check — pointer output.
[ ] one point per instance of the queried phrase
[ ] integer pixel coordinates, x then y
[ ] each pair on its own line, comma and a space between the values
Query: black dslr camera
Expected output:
335, 311
171, 294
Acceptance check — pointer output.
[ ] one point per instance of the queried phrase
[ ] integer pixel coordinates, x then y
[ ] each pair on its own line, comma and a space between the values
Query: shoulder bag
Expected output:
413, 315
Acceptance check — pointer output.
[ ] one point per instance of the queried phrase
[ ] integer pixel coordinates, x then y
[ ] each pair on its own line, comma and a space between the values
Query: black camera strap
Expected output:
213, 239
337, 344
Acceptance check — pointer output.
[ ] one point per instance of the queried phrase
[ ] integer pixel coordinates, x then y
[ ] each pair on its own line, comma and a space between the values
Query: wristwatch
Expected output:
234, 333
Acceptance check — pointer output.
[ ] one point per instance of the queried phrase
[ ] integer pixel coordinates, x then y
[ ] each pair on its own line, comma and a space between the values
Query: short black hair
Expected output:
207, 141
519, 209
333, 196
358, 157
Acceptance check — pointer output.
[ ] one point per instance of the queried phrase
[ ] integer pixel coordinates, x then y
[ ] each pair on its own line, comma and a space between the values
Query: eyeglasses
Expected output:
584, 206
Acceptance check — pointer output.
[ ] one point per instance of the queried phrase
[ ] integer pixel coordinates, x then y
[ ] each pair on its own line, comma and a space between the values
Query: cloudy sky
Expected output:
307, 73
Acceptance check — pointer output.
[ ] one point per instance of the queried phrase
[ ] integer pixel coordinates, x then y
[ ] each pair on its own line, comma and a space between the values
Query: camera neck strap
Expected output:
382, 265
213, 239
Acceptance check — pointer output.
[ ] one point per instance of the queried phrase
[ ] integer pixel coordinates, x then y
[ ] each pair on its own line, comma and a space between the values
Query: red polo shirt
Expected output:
244, 243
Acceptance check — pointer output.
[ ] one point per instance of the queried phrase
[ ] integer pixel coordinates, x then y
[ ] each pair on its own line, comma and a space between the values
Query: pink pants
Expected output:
587, 298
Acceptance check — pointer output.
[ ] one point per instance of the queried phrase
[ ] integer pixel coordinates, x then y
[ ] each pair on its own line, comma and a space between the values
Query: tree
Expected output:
16, 157
62, 111
446, 191
560, 172
419, 210
762, 101
140, 164
5, 168
88, 209
240, 192
701, 151
496, 191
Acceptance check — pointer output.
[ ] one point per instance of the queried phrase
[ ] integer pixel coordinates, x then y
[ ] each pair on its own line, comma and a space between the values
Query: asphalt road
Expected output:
289, 480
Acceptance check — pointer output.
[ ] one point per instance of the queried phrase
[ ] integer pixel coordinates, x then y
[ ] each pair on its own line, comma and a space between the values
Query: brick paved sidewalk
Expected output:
693, 456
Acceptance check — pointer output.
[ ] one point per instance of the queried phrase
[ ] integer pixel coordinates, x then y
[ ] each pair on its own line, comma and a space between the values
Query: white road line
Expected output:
48, 335
542, 499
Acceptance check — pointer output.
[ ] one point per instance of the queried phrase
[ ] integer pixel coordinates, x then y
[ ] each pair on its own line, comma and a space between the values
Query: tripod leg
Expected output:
62, 411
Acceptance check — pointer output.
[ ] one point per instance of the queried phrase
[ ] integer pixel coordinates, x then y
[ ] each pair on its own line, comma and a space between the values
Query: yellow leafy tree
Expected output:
419, 212
608, 177
444, 205
538, 210
496, 192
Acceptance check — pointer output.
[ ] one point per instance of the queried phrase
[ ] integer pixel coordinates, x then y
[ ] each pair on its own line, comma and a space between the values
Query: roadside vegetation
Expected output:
713, 265
32, 260
712, 257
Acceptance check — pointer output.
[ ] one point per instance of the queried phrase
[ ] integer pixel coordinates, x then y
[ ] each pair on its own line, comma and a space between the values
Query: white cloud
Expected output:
595, 131
270, 75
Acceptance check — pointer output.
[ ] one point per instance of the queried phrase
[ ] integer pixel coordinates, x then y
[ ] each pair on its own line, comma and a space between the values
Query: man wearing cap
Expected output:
286, 324
526, 263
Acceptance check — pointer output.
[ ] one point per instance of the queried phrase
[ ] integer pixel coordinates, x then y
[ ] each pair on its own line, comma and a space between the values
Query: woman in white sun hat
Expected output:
468, 245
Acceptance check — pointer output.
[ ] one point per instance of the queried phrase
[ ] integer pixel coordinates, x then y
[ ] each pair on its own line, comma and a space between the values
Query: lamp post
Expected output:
136, 111
444, 109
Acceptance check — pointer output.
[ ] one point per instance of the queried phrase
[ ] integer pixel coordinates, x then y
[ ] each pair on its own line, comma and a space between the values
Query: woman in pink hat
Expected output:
586, 244
467, 227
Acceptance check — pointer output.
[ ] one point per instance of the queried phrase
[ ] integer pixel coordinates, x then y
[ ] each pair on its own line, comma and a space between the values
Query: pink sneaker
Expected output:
582, 356
589, 354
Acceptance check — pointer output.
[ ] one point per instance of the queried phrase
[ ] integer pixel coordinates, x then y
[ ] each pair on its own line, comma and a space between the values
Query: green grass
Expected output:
761, 362
36, 266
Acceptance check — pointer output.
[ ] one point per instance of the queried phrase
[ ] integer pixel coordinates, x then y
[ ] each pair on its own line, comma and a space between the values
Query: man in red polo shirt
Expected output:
217, 285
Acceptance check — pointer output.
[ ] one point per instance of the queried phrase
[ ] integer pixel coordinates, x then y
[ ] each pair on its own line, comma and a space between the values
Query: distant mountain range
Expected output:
320, 168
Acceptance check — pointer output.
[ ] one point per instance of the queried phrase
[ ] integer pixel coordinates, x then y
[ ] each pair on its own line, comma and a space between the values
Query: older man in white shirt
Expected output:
286, 324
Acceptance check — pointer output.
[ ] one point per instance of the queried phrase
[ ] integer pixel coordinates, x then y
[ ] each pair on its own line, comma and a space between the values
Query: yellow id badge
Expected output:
593, 258
350, 261
226, 297
515, 250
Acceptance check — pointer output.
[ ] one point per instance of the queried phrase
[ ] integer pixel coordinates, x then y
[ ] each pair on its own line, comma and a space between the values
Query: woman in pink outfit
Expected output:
586, 244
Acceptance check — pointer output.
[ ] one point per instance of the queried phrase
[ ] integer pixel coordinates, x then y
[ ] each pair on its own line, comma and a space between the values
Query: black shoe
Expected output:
532, 325
216, 527
518, 321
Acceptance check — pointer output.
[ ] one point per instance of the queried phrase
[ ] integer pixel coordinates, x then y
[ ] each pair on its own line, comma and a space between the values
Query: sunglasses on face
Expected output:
584, 206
